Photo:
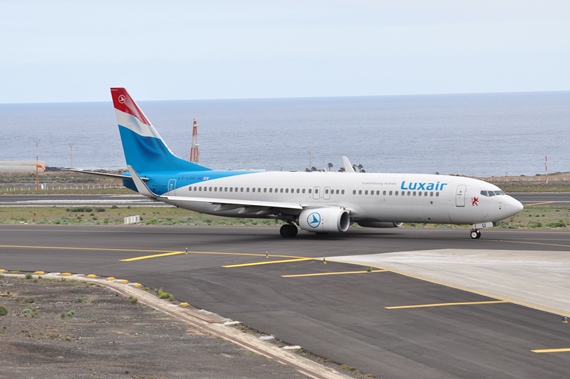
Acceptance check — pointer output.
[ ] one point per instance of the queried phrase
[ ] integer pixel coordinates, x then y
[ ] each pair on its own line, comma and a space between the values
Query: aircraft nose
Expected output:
512, 206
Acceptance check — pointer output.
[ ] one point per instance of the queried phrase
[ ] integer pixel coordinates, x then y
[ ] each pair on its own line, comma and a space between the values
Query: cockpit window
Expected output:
492, 193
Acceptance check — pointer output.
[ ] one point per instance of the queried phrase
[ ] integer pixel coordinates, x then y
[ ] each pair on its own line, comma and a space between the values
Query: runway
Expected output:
387, 316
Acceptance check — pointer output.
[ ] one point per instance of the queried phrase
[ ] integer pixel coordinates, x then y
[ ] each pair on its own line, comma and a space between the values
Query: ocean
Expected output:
469, 134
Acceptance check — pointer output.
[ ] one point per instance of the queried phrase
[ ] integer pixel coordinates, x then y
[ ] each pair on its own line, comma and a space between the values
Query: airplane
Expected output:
318, 202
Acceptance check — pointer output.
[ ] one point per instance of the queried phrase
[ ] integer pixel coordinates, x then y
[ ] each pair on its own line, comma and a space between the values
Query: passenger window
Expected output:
366, 192
390, 193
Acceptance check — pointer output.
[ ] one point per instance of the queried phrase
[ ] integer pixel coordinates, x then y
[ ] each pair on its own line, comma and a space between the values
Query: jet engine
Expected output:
325, 220
378, 224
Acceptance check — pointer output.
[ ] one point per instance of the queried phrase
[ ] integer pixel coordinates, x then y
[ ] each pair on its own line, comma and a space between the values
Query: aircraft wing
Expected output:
226, 204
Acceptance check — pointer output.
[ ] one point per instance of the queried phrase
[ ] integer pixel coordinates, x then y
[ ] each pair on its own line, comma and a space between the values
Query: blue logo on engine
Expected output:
314, 220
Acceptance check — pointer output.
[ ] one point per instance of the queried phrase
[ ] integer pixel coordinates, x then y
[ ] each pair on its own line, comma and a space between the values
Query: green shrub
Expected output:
556, 224
28, 276
133, 300
165, 295
3, 310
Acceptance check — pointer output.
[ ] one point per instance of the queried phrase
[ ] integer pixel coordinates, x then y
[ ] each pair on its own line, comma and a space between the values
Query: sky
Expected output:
73, 51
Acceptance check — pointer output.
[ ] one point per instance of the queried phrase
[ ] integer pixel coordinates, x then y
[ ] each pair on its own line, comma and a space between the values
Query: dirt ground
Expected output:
70, 329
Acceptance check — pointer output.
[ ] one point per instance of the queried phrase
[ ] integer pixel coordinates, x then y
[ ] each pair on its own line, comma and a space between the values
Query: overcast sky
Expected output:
62, 51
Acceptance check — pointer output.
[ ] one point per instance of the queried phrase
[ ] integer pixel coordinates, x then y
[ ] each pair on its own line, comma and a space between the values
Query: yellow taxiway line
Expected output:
448, 304
331, 273
268, 262
171, 253
563, 350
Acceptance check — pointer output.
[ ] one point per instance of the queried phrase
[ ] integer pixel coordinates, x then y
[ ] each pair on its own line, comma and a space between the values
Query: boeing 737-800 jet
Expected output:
318, 202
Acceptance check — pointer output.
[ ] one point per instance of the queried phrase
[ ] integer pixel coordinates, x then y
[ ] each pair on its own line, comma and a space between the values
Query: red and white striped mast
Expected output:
194, 154
546, 167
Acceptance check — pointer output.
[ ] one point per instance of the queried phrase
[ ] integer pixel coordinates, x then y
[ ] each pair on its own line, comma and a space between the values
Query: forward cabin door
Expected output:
460, 196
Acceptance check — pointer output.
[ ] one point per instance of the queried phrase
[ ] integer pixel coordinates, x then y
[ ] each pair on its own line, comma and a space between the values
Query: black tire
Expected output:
288, 231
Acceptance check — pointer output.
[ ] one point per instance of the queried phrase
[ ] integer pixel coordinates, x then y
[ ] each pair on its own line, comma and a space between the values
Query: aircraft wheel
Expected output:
475, 234
478, 234
288, 231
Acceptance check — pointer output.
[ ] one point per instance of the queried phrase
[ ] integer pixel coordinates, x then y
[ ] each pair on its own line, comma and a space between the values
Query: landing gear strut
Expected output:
475, 234
288, 231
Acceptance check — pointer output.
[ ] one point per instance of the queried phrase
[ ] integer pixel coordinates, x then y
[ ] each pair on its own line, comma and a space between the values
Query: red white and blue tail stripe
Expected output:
145, 150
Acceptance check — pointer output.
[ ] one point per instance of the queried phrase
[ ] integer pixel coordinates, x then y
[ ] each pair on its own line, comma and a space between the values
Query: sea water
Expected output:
471, 134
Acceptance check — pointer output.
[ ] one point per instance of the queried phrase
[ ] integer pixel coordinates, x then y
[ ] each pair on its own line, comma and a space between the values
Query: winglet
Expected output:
347, 165
142, 188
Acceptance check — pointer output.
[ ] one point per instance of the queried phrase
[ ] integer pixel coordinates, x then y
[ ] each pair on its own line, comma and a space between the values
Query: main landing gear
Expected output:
288, 231
475, 234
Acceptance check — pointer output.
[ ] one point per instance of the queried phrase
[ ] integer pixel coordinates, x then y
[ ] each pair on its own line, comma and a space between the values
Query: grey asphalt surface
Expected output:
341, 317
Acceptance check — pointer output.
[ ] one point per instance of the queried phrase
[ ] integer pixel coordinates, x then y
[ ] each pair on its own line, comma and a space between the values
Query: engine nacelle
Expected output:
378, 224
325, 220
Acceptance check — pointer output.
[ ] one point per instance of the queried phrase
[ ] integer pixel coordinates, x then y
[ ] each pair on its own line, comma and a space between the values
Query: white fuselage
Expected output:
374, 197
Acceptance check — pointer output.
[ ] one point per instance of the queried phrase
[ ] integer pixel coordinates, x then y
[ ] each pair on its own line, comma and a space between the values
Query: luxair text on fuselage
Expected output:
419, 186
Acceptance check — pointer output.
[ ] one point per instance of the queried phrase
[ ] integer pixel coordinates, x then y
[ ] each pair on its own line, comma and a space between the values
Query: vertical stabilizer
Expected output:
144, 149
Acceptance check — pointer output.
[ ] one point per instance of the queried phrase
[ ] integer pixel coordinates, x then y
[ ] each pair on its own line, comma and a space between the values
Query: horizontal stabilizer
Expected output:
106, 175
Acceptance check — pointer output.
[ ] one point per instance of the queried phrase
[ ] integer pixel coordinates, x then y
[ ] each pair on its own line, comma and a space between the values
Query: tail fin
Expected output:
143, 147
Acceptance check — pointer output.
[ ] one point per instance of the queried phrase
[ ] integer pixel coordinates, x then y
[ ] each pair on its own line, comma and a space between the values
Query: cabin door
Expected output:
316, 194
460, 196
171, 185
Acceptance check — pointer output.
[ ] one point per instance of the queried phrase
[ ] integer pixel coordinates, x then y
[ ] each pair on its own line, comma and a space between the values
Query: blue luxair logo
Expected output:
314, 220
413, 186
